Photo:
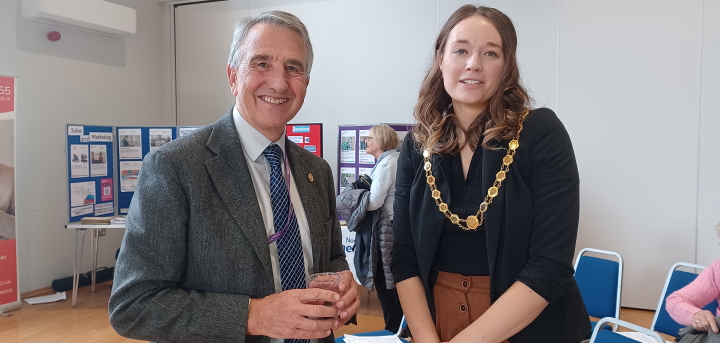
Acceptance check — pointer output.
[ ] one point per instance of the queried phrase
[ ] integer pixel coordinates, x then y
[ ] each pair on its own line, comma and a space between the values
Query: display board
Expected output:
90, 171
353, 160
308, 136
186, 130
9, 293
134, 143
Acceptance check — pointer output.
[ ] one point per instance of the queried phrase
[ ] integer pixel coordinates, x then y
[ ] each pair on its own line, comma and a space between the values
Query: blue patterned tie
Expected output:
290, 254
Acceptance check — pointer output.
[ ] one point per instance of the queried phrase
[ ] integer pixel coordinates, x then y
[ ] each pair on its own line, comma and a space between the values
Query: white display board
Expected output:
348, 241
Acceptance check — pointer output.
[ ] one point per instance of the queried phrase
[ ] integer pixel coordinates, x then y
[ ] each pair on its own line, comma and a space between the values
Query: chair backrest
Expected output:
676, 279
607, 336
403, 325
600, 282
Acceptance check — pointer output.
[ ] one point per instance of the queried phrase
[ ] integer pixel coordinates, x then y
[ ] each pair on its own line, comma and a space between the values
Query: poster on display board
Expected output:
348, 242
9, 290
186, 130
308, 136
134, 143
90, 164
353, 159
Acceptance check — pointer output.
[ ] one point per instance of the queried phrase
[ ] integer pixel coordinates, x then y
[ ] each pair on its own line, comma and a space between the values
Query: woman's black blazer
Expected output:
531, 225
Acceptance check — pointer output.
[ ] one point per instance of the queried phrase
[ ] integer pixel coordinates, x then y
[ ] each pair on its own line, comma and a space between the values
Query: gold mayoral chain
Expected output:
472, 222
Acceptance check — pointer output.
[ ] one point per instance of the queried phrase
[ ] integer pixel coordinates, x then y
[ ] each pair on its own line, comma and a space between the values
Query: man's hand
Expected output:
350, 299
704, 321
285, 314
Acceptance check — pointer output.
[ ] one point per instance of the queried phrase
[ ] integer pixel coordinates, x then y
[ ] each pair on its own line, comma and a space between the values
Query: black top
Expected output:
531, 226
461, 251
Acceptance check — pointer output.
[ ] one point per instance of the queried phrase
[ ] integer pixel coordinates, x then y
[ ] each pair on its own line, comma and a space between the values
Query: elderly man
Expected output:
227, 222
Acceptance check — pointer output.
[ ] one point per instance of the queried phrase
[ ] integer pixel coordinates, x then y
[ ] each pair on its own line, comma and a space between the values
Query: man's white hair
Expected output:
278, 18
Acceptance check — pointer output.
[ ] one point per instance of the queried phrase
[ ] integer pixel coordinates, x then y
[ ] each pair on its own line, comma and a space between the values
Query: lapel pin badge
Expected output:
310, 177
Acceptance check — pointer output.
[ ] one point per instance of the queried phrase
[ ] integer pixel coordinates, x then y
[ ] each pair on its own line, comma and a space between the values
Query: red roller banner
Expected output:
9, 290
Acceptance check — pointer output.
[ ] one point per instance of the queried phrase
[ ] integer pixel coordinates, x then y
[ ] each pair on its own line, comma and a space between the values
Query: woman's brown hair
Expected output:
437, 126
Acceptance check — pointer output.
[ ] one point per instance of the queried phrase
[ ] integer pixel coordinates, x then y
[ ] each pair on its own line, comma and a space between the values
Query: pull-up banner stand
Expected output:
9, 293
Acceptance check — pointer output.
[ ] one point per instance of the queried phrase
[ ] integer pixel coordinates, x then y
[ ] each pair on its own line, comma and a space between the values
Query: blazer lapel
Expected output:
231, 176
430, 240
309, 193
492, 161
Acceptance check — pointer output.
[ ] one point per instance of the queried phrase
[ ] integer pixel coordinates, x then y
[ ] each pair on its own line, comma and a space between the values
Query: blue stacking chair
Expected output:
608, 336
676, 279
403, 325
600, 283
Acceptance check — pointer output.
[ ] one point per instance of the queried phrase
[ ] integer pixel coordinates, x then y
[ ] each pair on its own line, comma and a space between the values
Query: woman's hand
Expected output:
703, 321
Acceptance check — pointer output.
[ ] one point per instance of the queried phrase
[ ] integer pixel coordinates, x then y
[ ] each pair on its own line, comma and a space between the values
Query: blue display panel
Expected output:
133, 144
90, 171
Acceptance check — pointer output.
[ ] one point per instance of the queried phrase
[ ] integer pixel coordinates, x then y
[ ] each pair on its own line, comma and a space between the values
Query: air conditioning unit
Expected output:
97, 16
180, 2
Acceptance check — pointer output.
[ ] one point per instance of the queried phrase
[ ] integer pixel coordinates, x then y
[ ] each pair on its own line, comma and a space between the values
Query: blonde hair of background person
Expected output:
685, 305
470, 105
385, 137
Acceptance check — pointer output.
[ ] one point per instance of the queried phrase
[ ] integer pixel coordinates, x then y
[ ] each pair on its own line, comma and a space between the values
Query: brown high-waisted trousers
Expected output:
459, 301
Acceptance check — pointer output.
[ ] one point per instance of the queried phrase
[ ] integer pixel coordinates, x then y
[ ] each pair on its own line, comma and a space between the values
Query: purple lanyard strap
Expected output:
279, 234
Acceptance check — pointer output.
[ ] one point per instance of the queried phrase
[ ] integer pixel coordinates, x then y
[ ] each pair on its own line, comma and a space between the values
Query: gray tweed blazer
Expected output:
195, 247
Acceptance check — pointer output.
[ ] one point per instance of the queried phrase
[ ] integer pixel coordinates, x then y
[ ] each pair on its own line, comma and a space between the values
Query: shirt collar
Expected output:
253, 142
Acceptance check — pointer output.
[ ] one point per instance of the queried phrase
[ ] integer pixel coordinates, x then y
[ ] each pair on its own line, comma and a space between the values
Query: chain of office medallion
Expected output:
474, 221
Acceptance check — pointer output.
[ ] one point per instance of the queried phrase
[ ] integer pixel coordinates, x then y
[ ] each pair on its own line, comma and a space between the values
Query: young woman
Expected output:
487, 199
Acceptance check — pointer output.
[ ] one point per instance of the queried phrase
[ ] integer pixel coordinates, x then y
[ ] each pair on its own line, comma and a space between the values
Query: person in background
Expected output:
685, 305
487, 199
382, 144
7, 202
226, 223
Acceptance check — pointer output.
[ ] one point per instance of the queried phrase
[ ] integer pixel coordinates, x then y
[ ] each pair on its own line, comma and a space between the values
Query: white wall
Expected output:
633, 81
629, 97
708, 211
81, 79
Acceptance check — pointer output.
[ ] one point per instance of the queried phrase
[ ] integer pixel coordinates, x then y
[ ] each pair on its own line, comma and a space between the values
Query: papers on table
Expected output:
46, 299
117, 220
372, 339
640, 337
95, 220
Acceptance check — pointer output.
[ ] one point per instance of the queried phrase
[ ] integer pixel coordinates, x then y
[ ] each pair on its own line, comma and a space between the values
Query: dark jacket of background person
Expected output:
383, 189
352, 204
531, 225
195, 249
